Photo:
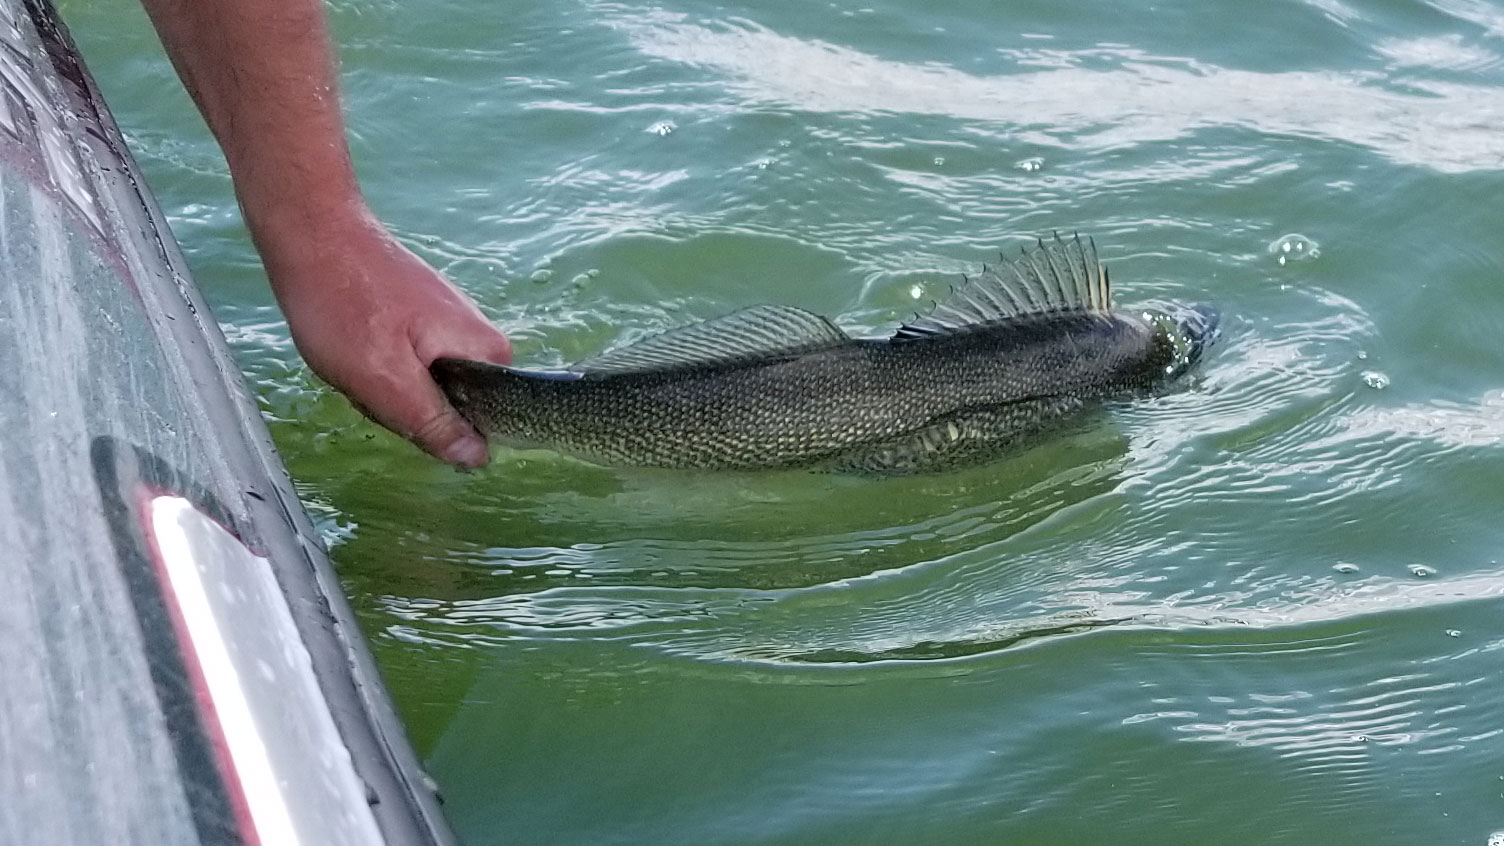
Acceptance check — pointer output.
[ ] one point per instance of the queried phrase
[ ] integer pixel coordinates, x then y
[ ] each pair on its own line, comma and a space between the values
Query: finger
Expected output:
415, 408
478, 340
451, 438
495, 349
499, 350
492, 347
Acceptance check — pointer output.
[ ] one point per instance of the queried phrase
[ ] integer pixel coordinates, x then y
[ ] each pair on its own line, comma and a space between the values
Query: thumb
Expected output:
451, 438
447, 434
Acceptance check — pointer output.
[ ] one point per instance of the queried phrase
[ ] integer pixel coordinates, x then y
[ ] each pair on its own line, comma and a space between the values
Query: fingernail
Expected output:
467, 452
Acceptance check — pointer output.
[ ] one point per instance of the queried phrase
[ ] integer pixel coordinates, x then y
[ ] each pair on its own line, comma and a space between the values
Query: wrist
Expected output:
307, 233
279, 211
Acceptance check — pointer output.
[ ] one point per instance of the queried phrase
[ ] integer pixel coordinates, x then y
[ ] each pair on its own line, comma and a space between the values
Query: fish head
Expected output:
1189, 329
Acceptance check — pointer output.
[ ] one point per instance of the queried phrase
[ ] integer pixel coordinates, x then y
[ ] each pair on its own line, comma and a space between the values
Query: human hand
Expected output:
369, 317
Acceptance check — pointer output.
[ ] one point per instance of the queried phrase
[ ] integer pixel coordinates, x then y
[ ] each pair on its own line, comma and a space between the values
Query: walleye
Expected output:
1011, 354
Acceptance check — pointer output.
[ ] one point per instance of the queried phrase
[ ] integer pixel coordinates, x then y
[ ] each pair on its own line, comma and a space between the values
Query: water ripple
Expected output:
1446, 126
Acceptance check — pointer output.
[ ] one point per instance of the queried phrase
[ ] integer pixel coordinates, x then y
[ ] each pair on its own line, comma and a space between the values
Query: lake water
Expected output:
1262, 610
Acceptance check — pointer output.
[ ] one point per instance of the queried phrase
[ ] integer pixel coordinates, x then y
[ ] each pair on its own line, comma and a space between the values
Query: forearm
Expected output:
262, 73
367, 314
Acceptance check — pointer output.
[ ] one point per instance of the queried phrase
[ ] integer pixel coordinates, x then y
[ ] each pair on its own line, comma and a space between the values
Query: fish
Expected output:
1012, 354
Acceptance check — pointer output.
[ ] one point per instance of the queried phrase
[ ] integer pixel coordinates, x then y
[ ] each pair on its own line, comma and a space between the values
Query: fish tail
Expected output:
481, 392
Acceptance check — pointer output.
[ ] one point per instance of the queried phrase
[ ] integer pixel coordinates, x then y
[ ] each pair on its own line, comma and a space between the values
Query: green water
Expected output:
1264, 610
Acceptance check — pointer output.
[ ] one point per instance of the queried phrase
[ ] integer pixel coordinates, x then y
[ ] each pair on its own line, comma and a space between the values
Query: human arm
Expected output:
367, 315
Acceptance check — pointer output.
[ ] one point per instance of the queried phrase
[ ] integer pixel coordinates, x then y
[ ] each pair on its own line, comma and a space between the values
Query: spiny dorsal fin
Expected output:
1057, 276
759, 332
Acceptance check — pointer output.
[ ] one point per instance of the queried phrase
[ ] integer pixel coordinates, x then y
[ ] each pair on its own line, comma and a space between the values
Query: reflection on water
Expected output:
1144, 99
538, 521
1453, 424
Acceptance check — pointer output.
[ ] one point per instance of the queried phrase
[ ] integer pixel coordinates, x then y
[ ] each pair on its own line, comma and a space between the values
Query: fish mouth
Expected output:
1200, 323
1191, 329
1199, 326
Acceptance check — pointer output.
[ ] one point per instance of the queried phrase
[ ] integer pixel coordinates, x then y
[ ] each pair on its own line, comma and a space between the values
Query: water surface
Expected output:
1261, 610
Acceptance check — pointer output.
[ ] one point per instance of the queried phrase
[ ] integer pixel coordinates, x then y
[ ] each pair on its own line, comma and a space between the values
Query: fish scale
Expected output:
1013, 353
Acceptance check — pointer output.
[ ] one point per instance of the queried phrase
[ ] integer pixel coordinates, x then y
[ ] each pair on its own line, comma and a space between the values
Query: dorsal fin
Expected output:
1054, 277
759, 332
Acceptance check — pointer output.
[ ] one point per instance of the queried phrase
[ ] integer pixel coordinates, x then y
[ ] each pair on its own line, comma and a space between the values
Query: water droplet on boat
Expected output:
1345, 567
1030, 164
663, 127
1294, 247
1422, 571
1375, 379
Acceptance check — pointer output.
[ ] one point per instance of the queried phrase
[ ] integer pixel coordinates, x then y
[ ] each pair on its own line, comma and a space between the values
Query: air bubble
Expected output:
542, 275
1031, 164
663, 127
1345, 567
1294, 247
1454, 633
1422, 571
1375, 379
